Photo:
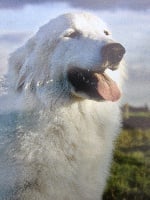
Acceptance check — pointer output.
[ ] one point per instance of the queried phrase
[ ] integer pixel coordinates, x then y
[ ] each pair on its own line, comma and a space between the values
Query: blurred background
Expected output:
129, 22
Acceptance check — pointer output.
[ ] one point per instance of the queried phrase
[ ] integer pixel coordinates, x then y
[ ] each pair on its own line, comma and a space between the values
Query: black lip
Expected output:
84, 81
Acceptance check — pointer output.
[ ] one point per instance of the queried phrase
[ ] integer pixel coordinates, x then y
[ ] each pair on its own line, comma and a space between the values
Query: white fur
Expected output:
62, 148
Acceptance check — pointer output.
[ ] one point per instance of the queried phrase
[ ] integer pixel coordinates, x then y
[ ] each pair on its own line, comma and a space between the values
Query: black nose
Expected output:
113, 53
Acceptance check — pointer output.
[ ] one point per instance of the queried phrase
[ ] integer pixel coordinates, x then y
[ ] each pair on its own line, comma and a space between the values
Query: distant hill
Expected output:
136, 117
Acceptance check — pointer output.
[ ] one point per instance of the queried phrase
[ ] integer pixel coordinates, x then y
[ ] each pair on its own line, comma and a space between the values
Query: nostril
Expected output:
115, 47
113, 53
120, 50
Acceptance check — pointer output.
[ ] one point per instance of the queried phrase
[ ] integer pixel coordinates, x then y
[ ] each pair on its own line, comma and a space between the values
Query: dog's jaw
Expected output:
92, 85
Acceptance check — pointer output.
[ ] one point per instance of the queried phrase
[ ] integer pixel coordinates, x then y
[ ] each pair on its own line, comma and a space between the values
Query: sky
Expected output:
128, 20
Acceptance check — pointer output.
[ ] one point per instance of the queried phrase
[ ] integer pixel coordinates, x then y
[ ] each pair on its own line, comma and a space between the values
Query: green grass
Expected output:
137, 114
130, 172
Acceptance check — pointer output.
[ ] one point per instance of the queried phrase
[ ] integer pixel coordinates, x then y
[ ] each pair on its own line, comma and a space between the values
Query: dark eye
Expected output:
75, 34
106, 32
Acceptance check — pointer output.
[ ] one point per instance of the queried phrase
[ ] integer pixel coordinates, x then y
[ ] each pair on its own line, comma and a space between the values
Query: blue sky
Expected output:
129, 22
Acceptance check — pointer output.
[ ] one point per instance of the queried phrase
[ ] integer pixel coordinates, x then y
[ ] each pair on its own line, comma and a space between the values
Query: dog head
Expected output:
70, 54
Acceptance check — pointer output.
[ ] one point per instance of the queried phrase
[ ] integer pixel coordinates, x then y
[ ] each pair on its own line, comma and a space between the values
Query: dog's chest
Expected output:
78, 152
68, 153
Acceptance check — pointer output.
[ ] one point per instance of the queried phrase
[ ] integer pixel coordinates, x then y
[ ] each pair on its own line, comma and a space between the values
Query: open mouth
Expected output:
96, 85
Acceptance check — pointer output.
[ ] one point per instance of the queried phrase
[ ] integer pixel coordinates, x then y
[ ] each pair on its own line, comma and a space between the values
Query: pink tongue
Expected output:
107, 88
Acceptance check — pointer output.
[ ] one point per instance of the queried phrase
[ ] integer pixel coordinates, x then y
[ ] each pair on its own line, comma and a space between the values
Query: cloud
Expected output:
137, 90
9, 42
94, 4
3, 60
12, 38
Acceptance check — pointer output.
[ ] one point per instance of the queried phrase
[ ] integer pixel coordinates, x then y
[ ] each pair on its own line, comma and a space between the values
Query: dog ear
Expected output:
18, 67
21, 82
25, 80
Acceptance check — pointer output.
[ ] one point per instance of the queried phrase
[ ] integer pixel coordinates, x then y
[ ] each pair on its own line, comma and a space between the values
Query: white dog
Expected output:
61, 142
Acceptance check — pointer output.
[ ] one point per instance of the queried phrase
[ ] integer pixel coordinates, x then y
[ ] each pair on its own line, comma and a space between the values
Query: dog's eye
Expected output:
74, 34
106, 32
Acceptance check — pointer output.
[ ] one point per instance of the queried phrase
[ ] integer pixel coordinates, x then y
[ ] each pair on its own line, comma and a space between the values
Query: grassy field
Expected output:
130, 172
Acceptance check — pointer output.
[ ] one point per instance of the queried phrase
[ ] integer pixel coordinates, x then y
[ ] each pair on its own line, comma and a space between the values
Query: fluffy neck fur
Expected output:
70, 155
